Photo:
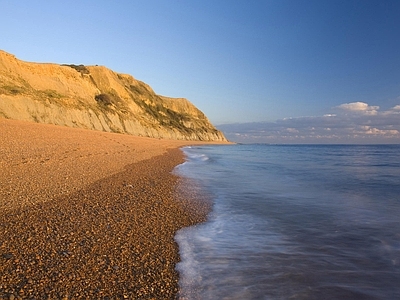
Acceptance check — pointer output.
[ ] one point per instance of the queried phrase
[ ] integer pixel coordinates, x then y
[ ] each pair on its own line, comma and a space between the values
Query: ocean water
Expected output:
293, 222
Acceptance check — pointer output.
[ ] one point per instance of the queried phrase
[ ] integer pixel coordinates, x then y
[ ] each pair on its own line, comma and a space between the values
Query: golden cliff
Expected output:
97, 98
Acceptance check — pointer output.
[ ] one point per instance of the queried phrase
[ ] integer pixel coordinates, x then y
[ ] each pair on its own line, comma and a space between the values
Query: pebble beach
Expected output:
89, 215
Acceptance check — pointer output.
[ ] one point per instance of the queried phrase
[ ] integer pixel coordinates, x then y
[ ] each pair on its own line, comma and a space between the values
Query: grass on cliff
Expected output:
49, 94
11, 90
80, 68
22, 90
154, 107
111, 101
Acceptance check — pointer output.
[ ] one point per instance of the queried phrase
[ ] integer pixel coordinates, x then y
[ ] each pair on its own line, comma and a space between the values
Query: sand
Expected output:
89, 215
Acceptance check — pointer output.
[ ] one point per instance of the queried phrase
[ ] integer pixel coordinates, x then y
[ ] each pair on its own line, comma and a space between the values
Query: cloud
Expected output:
359, 107
375, 131
356, 122
292, 130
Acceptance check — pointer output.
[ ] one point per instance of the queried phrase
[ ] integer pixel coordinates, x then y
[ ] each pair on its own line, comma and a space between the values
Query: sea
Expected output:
293, 222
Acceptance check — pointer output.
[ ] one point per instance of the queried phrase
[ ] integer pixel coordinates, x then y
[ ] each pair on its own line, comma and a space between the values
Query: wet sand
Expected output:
89, 215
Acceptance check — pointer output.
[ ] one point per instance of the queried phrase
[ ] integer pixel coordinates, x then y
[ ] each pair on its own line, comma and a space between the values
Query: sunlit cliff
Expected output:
95, 97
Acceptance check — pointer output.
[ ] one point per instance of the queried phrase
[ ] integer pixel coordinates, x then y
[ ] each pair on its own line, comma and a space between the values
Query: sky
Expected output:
324, 71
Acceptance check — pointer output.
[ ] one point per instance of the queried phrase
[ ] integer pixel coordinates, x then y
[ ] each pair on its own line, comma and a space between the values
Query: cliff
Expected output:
94, 97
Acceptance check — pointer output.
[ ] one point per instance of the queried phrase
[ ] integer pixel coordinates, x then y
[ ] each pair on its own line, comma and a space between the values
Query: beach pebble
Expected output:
99, 240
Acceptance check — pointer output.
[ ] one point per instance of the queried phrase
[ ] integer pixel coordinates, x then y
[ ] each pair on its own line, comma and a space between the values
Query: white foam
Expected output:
188, 267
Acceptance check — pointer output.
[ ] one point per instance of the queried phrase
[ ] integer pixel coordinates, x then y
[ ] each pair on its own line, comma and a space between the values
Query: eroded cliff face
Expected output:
94, 97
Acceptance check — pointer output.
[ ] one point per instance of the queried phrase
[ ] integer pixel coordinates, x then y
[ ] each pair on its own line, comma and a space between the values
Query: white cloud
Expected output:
355, 122
359, 107
376, 131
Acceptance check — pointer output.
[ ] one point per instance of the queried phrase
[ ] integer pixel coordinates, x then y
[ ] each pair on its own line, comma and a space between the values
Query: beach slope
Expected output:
88, 214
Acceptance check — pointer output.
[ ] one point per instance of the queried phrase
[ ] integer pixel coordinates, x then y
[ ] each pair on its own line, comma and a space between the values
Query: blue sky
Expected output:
255, 62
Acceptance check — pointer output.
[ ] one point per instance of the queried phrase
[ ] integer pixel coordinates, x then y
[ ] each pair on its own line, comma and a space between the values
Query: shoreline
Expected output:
87, 214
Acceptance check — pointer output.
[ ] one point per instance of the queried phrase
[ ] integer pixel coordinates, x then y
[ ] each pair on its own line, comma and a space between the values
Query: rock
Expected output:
7, 255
